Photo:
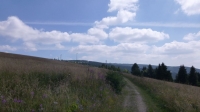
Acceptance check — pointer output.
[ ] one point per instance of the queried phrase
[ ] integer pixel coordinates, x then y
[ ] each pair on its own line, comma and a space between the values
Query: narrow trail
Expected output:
133, 100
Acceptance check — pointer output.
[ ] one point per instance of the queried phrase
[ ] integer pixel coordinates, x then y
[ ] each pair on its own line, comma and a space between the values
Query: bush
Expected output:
115, 79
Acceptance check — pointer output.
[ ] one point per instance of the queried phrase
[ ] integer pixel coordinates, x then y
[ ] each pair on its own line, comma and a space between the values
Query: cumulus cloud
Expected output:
122, 5
30, 46
128, 34
123, 16
15, 29
175, 48
111, 50
98, 33
126, 11
192, 36
190, 7
59, 46
7, 48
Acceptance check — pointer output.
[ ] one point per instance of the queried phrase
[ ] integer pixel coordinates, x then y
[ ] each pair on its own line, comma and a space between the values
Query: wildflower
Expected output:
101, 76
19, 101
32, 110
15, 100
4, 101
2, 97
44, 96
32, 93
41, 108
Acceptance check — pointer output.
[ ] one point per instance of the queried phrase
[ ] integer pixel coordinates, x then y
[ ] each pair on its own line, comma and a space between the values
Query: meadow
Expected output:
30, 84
169, 96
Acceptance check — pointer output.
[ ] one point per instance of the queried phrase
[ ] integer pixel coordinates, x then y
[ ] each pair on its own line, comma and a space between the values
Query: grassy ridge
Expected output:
172, 96
32, 84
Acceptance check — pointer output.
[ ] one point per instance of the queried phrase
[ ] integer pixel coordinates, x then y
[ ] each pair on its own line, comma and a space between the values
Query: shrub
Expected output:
115, 79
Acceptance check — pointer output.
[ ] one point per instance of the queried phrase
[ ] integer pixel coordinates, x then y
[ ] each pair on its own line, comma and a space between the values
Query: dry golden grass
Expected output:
177, 97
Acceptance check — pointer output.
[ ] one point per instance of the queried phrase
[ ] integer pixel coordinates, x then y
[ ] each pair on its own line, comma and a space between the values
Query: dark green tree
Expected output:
135, 70
198, 75
144, 72
150, 72
159, 74
162, 73
193, 76
182, 75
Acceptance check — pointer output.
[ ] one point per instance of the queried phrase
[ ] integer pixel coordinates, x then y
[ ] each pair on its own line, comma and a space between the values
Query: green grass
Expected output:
52, 86
55, 92
168, 96
154, 104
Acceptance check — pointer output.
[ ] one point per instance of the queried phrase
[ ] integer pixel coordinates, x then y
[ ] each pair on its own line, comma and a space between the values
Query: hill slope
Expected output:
37, 84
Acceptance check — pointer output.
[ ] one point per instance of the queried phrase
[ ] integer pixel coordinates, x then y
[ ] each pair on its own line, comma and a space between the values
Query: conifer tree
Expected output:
182, 75
193, 76
150, 72
135, 70
162, 73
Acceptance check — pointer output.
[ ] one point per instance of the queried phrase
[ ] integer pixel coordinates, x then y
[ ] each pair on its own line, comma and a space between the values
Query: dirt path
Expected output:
133, 100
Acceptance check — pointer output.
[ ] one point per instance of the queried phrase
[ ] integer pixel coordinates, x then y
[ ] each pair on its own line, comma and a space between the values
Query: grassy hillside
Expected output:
169, 96
38, 84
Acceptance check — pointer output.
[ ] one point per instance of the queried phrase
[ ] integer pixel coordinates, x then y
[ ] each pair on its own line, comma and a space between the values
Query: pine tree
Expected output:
159, 72
182, 75
144, 72
193, 76
162, 73
135, 70
198, 75
150, 72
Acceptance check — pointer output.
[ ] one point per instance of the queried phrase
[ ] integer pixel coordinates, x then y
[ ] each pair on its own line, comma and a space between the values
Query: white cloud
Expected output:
7, 48
59, 46
192, 36
175, 48
190, 7
126, 11
15, 29
122, 5
128, 34
97, 32
30, 46
105, 50
123, 16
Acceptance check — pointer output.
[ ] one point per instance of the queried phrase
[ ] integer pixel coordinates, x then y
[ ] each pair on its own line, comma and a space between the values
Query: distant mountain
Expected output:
173, 69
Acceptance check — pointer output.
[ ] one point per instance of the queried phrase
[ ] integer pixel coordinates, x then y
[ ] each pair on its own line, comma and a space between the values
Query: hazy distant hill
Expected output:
173, 69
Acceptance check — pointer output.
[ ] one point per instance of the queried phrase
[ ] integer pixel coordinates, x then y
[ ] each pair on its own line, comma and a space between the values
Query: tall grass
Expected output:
172, 96
32, 85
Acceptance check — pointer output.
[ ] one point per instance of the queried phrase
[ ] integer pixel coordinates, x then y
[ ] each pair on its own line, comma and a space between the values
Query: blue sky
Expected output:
119, 31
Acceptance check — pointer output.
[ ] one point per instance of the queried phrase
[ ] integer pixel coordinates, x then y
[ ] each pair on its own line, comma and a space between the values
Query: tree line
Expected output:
113, 68
161, 73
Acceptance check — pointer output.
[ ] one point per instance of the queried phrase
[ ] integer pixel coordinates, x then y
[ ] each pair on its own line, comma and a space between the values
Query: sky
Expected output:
119, 31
